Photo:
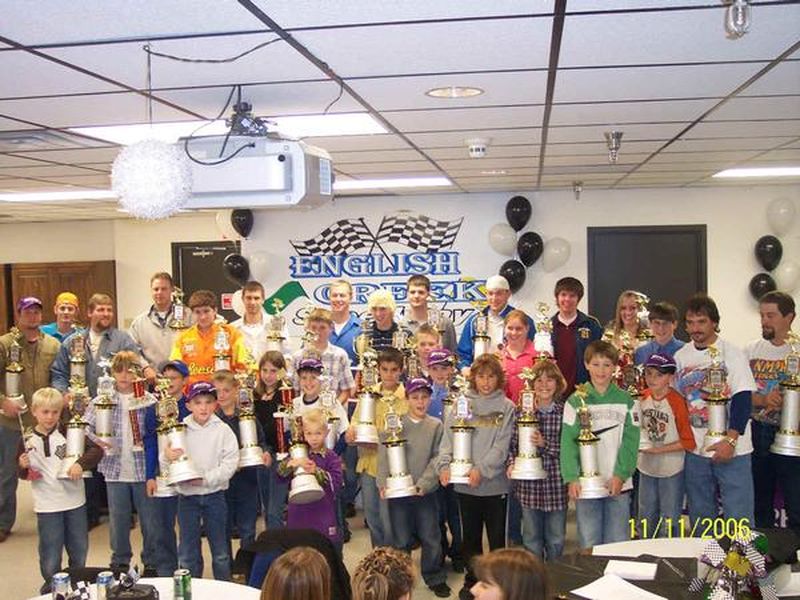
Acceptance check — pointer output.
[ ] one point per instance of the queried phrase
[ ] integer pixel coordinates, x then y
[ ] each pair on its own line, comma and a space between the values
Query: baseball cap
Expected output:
28, 302
309, 364
67, 298
178, 365
201, 387
440, 356
417, 384
662, 362
497, 282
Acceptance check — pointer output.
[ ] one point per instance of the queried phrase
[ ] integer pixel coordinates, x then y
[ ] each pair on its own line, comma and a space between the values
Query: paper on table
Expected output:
628, 569
613, 586
792, 588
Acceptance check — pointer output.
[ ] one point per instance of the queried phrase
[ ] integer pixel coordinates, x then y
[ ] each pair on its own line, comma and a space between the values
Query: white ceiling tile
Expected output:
410, 169
483, 164
43, 170
657, 131
724, 144
76, 155
623, 5
493, 151
785, 129
12, 125
600, 158
629, 112
342, 158
599, 147
465, 118
788, 155
747, 108
670, 156
378, 141
782, 79
32, 76
457, 138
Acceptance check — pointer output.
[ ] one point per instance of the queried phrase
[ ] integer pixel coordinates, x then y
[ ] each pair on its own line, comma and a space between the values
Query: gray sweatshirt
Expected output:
493, 420
422, 450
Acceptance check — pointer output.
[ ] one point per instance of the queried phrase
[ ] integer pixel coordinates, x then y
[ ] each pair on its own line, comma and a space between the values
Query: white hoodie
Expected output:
214, 450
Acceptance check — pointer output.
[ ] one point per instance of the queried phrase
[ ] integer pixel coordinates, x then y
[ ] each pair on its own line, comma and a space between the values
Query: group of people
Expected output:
651, 447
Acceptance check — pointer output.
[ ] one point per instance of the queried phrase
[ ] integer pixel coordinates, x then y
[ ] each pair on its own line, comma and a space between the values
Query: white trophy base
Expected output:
182, 470
593, 487
366, 434
252, 456
709, 440
163, 489
66, 464
528, 469
786, 444
645, 444
459, 472
305, 489
401, 486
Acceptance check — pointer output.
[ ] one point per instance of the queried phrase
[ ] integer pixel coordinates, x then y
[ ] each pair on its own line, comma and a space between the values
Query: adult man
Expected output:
196, 346
346, 324
37, 354
728, 466
663, 318
766, 358
253, 324
498, 293
572, 332
152, 329
66, 311
417, 313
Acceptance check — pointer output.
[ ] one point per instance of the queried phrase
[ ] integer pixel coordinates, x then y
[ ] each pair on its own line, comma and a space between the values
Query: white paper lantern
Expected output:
152, 179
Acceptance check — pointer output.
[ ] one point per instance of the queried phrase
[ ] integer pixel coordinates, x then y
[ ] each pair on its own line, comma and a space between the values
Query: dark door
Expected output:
198, 266
666, 263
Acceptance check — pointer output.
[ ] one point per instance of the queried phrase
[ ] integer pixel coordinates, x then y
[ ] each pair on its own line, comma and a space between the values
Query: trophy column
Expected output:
527, 463
14, 370
787, 440
592, 483
399, 483
104, 409
250, 453
366, 431
76, 426
717, 403
304, 488
167, 413
462, 430
481, 341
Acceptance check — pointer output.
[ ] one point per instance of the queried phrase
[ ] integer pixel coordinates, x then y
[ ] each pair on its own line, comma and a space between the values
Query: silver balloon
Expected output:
787, 276
259, 265
781, 214
503, 239
556, 253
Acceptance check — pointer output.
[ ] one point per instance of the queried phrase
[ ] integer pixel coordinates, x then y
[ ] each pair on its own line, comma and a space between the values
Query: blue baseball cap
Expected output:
28, 302
440, 356
201, 387
309, 364
417, 384
177, 365
662, 362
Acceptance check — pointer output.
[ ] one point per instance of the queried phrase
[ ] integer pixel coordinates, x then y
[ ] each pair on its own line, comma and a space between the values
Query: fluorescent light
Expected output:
58, 196
294, 126
454, 91
374, 184
760, 172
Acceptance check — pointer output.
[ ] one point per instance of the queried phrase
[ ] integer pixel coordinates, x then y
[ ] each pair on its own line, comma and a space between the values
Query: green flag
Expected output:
288, 293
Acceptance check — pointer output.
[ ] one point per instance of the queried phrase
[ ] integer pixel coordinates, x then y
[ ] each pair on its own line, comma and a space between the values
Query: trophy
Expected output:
366, 432
399, 483
481, 341
182, 468
104, 407
643, 314
77, 357
717, 402
404, 340
436, 319
461, 464
453, 391
527, 463
787, 440
284, 413
543, 339
176, 321
304, 488
14, 370
166, 418
327, 399
275, 328
141, 399
76, 428
250, 453
222, 350
592, 483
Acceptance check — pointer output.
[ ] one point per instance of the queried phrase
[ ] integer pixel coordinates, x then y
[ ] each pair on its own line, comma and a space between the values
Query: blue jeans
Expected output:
9, 441
661, 498
449, 517
58, 530
274, 494
242, 500
603, 520
734, 480
350, 490
376, 512
123, 497
417, 517
166, 510
207, 510
514, 524
544, 530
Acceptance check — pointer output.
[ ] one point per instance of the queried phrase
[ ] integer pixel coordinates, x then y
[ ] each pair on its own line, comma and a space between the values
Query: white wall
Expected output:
55, 241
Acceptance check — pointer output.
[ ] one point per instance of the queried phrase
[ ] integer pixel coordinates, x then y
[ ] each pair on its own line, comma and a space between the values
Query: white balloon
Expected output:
556, 253
225, 226
503, 239
787, 276
781, 213
237, 303
259, 265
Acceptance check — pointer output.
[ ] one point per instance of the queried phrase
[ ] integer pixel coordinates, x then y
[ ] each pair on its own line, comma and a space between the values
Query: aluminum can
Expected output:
61, 585
182, 584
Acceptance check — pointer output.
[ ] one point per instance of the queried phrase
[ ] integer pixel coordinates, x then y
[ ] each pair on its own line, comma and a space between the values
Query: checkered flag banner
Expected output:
419, 232
343, 237
81, 592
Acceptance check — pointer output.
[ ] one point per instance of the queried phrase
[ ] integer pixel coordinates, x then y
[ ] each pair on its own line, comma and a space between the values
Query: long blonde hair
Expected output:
300, 574
384, 574
616, 325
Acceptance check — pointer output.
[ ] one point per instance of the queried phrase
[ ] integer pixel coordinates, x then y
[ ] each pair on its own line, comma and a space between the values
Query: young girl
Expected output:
383, 574
301, 574
517, 352
544, 501
483, 499
327, 468
510, 574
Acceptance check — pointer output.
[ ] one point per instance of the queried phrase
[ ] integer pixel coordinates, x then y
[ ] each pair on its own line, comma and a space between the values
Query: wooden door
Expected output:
5, 298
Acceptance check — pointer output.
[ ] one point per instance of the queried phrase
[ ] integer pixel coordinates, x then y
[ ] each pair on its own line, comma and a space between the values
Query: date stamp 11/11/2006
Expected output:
706, 528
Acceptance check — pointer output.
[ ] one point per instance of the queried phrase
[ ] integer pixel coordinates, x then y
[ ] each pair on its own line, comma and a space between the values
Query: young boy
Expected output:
242, 493
428, 339
417, 517
165, 509
309, 371
665, 423
123, 465
663, 318
213, 448
602, 520
60, 504
376, 512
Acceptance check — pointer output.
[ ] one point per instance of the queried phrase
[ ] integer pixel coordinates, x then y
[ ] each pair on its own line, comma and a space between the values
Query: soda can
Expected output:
182, 584
61, 586
105, 580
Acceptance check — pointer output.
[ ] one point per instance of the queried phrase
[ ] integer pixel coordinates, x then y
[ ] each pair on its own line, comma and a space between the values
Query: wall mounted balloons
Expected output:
503, 239
781, 215
259, 265
236, 268
518, 212
223, 220
529, 247
242, 221
787, 276
556, 253
514, 272
761, 284
769, 251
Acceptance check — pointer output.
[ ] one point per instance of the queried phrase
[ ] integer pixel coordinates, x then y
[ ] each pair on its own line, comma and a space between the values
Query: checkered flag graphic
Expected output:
419, 232
343, 237
81, 592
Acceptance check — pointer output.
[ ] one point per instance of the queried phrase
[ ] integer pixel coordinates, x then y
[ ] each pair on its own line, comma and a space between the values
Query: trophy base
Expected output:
66, 464
366, 434
645, 444
305, 489
182, 470
401, 486
593, 487
163, 489
786, 444
528, 469
709, 440
459, 472
251, 456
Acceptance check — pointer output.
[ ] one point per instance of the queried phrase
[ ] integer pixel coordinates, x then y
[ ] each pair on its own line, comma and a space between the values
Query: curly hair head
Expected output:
384, 574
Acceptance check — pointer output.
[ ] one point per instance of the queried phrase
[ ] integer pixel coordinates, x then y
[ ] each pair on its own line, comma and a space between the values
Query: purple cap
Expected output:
178, 365
417, 384
663, 362
28, 302
440, 356
309, 364
201, 387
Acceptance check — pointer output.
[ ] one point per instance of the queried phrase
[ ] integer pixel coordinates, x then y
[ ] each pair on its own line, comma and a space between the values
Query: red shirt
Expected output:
566, 350
513, 367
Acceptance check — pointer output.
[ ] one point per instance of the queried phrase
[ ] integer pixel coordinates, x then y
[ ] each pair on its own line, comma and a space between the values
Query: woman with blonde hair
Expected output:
300, 574
510, 574
384, 574
626, 319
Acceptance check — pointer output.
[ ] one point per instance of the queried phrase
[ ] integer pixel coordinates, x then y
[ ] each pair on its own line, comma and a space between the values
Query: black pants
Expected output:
477, 512
769, 471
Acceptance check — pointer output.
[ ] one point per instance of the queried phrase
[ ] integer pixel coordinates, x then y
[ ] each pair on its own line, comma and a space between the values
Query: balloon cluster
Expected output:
235, 224
783, 275
529, 247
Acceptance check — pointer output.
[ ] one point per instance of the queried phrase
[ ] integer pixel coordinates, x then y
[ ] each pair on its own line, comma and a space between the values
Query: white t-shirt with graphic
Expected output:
766, 363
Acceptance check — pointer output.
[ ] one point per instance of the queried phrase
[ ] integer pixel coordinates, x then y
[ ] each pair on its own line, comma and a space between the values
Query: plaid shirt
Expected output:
547, 494
336, 365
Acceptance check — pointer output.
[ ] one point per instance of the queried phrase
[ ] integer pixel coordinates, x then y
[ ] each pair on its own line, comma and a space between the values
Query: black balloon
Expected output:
514, 272
236, 268
530, 247
761, 284
242, 221
769, 251
518, 212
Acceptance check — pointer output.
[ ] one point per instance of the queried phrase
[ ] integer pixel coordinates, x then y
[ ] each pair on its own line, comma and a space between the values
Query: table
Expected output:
669, 547
202, 589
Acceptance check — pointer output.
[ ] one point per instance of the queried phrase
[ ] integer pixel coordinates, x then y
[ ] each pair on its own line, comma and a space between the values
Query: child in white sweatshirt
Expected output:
212, 447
